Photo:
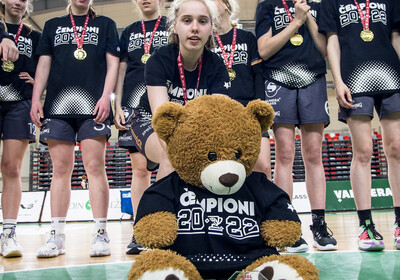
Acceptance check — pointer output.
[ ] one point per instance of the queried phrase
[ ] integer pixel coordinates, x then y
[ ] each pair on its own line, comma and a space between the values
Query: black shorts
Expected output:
15, 120
73, 129
140, 128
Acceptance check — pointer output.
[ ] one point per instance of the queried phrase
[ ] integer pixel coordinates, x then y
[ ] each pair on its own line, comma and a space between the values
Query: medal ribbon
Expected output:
79, 41
364, 19
21, 25
285, 5
229, 62
182, 74
147, 45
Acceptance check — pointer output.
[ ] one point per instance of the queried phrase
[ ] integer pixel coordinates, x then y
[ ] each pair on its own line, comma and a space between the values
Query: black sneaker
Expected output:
300, 246
323, 239
134, 248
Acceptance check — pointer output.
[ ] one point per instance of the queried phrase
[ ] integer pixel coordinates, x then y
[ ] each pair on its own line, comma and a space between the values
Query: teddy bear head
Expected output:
213, 141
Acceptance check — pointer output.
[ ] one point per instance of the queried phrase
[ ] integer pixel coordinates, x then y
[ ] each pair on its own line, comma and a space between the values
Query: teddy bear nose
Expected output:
228, 179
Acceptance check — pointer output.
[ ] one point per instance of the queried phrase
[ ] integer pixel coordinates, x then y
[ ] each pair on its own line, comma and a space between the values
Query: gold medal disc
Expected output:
296, 40
80, 54
7, 66
231, 74
145, 57
367, 35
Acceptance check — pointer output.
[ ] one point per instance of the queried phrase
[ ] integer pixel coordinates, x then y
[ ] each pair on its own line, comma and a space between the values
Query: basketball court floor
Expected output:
347, 263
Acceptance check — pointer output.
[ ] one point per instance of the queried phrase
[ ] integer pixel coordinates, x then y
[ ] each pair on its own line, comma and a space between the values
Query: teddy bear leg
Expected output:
162, 265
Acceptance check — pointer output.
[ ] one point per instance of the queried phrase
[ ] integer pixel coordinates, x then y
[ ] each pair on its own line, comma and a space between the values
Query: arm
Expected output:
269, 45
318, 38
157, 95
8, 50
119, 118
102, 109
343, 94
41, 77
396, 41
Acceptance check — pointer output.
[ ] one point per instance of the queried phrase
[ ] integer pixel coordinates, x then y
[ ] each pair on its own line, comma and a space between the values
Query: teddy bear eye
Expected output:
212, 156
238, 154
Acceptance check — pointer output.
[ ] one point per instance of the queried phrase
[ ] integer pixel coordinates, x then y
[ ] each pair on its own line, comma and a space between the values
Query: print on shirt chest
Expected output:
348, 14
176, 93
136, 40
24, 46
65, 35
217, 216
281, 19
241, 55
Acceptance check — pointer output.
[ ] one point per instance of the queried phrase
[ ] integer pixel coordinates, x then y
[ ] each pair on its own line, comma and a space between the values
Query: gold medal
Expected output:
80, 54
7, 66
231, 74
145, 57
367, 35
296, 40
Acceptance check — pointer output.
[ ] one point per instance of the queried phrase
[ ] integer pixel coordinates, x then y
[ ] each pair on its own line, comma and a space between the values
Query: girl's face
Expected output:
15, 8
81, 4
193, 25
148, 6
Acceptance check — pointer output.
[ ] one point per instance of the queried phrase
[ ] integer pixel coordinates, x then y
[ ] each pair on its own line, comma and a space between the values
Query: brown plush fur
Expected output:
280, 233
239, 128
158, 259
304, 267
156, 230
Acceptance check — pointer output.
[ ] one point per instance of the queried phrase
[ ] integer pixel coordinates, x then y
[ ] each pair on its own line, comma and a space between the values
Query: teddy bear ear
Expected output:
166, 119
263, 112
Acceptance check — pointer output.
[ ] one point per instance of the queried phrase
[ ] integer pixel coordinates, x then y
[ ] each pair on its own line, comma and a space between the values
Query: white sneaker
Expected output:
9, 246
100, 245
53, 247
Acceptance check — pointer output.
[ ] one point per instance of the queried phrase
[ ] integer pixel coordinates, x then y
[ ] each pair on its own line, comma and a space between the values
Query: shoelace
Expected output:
323, 228
371, 231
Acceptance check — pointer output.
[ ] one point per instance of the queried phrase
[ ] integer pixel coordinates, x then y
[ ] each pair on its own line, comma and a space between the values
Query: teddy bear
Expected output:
213, 216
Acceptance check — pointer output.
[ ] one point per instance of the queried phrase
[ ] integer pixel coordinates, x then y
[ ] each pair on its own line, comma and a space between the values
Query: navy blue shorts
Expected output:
384, 104
73, 129
299, 106
15, 121
140, 128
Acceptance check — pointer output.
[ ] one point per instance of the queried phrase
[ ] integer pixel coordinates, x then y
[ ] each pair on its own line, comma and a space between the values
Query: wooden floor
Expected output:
78, 240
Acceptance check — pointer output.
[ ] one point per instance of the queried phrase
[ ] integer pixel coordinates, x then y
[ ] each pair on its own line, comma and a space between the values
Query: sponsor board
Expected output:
300, 198
30, 206
81, 210
340, 196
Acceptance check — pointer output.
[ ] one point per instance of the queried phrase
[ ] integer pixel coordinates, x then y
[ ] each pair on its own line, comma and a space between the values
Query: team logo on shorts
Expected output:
271, 89
327, 108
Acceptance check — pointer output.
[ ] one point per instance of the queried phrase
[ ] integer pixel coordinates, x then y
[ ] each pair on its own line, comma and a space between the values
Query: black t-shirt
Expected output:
219, 233
367, 68
246, 63
162, 70
132, 48
292, 66
75, 86
3, 33
12, 88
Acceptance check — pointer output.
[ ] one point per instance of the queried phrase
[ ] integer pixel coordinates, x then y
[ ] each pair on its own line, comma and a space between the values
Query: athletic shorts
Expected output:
73, 129
299, 106
384, 104
15, 120
139, 129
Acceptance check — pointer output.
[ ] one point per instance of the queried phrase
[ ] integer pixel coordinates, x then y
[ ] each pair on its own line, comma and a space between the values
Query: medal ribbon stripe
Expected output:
182, 74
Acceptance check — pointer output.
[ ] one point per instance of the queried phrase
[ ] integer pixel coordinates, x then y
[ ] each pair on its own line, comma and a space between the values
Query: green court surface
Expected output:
383, 265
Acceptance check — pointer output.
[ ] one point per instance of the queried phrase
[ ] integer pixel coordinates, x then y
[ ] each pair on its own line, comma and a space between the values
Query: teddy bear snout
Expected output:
171, 277
228, 179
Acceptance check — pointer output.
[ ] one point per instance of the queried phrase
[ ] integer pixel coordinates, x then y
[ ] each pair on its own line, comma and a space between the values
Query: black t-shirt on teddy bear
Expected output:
219, 234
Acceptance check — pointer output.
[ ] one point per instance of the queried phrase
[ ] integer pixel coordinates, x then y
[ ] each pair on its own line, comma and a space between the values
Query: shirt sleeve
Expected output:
281, 208
112, 38
45, 42
155, 73
264, 18
396, 15
257, 68
3, 33
122, 44
327, 19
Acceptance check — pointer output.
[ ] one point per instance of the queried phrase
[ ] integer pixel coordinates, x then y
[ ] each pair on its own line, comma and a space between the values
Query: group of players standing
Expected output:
79, 60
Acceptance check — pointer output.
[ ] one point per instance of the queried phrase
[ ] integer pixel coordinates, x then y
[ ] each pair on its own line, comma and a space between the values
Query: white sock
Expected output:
8, 224
100, 225
58, 224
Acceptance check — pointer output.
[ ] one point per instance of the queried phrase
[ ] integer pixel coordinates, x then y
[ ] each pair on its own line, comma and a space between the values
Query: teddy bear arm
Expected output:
156, 230
280, 233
